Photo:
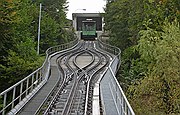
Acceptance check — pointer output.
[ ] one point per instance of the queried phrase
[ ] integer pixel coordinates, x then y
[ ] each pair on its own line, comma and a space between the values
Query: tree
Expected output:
127, 22
18, 46
7, 16
159, 89
18, 35
7, 19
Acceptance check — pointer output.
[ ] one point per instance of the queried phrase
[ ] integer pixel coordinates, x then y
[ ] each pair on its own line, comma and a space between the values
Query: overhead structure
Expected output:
87, 25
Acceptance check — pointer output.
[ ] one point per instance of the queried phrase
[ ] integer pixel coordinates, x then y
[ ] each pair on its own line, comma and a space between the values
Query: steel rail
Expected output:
57, 92
85, 51
86, 71
62, 85
76, 86
79, 73
83, 69
59, 84
73, 89
92, 84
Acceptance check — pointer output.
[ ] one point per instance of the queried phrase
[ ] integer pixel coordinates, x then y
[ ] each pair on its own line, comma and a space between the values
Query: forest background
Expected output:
148, 33
18, 35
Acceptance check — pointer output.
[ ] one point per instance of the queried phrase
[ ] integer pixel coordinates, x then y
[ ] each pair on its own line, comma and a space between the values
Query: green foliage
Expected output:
125, 18
7, 17
52, 23
19, 66
159, 90
50, 31
116, 23
150, 52
18, 35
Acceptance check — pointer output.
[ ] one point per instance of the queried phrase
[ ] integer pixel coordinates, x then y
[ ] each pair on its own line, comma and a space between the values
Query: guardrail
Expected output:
111, 49
121, 102
122, 105
15, 97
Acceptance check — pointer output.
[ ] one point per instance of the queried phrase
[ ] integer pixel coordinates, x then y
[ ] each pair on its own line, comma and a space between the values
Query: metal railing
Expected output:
15, 97
121, 102
109, 48
122, 105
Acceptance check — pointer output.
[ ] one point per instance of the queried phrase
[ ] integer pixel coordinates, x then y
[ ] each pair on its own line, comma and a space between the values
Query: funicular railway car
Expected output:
87, 26
88, 30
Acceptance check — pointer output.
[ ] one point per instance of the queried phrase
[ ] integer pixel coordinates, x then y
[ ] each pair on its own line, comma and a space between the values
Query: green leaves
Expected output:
18, 36
160, 50
147, 31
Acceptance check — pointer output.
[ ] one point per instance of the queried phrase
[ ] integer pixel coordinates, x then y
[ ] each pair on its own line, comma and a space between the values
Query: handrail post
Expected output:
4, 103
14, 93
27, 85
21, 88
32, 82
116, 94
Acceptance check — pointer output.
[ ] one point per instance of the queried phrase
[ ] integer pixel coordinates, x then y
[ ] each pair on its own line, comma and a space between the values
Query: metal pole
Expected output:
39, 28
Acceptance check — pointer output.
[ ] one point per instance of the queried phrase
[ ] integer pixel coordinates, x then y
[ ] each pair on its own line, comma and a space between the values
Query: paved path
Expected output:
108, 94
31, 107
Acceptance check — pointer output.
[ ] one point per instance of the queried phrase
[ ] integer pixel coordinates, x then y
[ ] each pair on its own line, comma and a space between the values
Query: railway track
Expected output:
80, 69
